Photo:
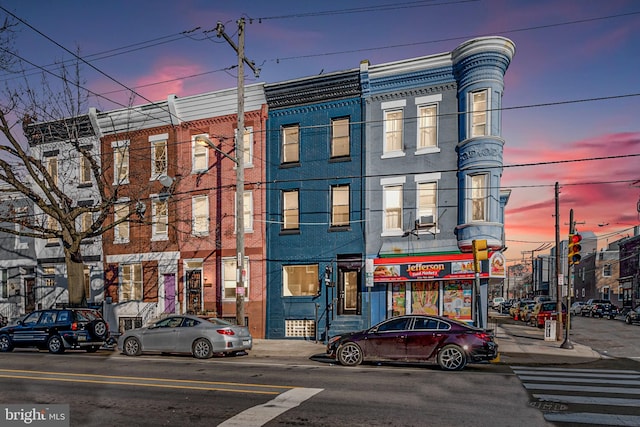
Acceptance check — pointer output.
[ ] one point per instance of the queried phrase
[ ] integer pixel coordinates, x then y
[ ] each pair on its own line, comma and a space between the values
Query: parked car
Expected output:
201, 337
547, 310
576, 308
516, 309
495, 303
505, 306
525, 311
416, 338
57, 330
599, 308
633, 316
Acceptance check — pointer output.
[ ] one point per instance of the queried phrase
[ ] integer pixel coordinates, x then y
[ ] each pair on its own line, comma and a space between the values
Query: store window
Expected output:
425, 298
457, 299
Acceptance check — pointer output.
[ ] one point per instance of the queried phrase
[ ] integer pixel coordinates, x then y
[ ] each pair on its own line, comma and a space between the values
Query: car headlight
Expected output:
334, 339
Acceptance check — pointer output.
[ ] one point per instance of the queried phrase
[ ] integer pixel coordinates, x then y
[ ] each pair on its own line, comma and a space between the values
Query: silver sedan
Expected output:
201, 337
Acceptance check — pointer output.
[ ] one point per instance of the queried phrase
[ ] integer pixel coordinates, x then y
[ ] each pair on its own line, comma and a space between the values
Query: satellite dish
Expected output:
165, 180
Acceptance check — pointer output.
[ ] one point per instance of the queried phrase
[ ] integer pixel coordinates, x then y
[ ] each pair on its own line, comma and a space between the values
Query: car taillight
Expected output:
483, 336
225, 332
74, 326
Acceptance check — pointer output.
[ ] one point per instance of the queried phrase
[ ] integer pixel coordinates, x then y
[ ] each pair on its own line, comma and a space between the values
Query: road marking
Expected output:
588, 400
261, 414
586, 389
143, 382
595, 419
570, 380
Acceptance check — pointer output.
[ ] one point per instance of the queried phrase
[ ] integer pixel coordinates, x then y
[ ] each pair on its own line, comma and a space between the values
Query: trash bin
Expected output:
550, 330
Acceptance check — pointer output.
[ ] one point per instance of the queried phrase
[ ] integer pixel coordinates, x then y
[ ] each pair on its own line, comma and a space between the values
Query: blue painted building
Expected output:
314, 219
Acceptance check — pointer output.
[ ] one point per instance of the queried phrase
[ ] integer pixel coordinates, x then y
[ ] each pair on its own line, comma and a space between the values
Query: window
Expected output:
121, 162
392, 131
52, 224
86, 221
21, 241
200, 154
229, 277
121, 231
87, 282
300, 280
290, 210
339, 205
52, 169
84, 173
340, 137
200, 207
427, 126
4, 291
160, 228
427, 200
49, 275
606, 270
131, 282
290, 144
479, 113
248, 146
248, 211
158, 155
392, 200
478, 197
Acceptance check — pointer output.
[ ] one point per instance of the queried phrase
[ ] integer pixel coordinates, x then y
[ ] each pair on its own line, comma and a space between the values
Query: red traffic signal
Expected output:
574, 249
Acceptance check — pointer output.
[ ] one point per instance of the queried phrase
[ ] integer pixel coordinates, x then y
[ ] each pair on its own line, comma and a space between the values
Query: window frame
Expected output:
52, 168
135, 284
310, 276
389, 187
389, 132
159, 143
423, 180
286, 212
85, 174
473, 198
229, 278
199, 153
340, 141
248, 211
286, 145
335, 206
483, 116
121, 232
121, 160
200, 219
160, 220
430, 129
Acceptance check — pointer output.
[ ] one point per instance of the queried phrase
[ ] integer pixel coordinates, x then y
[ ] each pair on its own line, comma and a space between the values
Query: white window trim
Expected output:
114, 146
471, 112
426, 178
427, 101
193, 216
194, 138
116, 234
246, 283
248, 225
388, 107
248, 145
152, 140
121, 280
155, 236
469, 213
18, 244
392, 182
81, 163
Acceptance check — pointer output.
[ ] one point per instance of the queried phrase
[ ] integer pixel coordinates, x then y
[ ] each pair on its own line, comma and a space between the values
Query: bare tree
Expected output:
52, 113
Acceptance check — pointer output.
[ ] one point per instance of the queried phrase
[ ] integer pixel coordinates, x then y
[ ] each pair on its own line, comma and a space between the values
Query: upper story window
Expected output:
200, 153
248, 146
427, 126
120, 162
340, 139
290, 210
339, 205
291, 144
478, 197
158, 155
49, 275
247, 204
200, 219
52, 169
392, 196
427, 202
84, 170
479, 113
52, 224
131, 282
393, 131
86, 221
159, 211
606, 270
21, 241
121, 231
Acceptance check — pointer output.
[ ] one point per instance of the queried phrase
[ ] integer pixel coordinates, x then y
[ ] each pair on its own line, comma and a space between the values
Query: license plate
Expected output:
82, 338
246, 342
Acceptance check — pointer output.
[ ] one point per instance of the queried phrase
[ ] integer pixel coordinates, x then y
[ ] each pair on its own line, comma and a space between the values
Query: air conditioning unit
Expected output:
425, 222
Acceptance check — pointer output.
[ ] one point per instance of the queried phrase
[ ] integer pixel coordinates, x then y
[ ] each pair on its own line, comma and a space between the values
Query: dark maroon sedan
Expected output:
416, 338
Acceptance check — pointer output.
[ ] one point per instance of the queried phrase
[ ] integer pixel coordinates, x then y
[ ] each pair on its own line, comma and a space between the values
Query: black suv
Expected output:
57, 330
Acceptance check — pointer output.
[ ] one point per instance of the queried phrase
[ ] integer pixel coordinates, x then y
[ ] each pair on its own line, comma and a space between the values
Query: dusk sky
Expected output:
571, 100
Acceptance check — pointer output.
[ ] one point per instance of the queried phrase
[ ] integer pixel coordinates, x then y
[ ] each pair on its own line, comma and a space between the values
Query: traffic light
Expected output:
480, 253
574, 249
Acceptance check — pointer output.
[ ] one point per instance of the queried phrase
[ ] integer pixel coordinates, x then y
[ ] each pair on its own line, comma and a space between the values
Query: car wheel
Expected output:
627, 321
132, 347
350, 354
202, 349
55, 344
452, 358
5, 343
99, 329
92, 349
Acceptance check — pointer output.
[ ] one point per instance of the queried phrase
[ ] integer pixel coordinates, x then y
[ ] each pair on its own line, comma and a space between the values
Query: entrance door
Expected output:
169, 293
194, 291
348, 291
30, 303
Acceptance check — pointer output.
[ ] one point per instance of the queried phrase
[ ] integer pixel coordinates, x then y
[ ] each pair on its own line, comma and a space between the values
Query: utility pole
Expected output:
559, 282
241, 272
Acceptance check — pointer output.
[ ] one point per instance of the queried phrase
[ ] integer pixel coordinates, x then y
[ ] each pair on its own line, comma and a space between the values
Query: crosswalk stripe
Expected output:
574, 374
595, 419
588, 400
562, 370
582, 380
586, 389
